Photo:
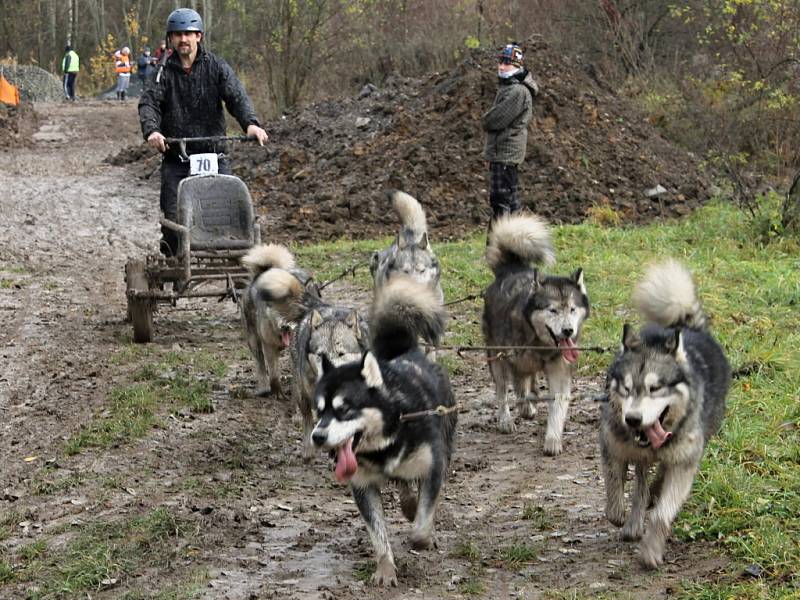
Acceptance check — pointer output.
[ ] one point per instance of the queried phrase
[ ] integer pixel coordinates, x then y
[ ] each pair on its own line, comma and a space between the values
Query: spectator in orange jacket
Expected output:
122, 66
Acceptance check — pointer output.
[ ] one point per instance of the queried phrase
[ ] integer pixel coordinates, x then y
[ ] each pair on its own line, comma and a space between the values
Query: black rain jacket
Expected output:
185, 104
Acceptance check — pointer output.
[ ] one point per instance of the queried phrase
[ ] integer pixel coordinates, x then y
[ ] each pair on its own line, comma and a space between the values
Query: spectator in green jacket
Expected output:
506, 126
70, 65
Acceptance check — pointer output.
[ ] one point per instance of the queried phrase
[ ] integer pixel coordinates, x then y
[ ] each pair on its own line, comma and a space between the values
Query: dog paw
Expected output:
309, 453
385, 574
552, 446
616, 516
527, 409
506, 425
651, 551
408, 506
422, 542
632, 531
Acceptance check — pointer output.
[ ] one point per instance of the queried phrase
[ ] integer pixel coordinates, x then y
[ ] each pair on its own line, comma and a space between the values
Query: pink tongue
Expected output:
656, 434
346, 464
286, 338
568, 350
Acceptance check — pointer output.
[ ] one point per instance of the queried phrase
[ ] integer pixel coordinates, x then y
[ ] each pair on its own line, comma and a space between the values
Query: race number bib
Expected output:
203, 164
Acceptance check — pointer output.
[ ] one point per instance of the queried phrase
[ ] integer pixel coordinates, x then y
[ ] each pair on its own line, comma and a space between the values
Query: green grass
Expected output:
746, 499
364, 571
535, 513
467, 549
518, 554
170, 380
101, 552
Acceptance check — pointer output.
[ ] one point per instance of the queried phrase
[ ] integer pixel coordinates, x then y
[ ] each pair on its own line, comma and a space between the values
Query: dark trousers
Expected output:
503, 189
69, 85
172, 172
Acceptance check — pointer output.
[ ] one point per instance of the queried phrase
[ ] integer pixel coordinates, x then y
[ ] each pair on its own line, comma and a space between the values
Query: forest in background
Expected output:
720, 77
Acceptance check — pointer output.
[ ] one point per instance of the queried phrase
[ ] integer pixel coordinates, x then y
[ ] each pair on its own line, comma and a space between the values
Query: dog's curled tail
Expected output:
267, 256
403, 311
522, 239
410, 212
666, 295
285, 293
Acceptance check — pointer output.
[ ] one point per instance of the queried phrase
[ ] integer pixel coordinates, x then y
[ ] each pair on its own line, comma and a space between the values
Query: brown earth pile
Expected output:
325, 170
17, 124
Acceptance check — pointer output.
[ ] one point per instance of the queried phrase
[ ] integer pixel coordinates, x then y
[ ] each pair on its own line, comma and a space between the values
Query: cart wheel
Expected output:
140, 310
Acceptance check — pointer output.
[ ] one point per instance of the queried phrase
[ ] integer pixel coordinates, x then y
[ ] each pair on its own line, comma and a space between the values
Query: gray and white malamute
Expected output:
335, 333
411, 253
267, 332
666, 390
364, 409
523, 307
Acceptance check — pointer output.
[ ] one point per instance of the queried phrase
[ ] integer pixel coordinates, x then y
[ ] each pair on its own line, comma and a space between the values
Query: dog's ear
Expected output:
316, 319
374, 263
536, 278
354, 323
423, 241
327, 365
371, 371
577, 277
674, 346
630, 340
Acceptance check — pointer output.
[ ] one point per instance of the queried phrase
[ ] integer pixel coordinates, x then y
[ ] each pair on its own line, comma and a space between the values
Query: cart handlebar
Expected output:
212, 138
182, 142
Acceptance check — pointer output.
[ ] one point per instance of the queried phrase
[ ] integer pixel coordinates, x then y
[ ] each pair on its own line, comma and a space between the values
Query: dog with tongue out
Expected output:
531, 323
390, 416
666, 398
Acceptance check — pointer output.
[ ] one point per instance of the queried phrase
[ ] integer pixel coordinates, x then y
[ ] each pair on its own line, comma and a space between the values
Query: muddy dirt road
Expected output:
249, 518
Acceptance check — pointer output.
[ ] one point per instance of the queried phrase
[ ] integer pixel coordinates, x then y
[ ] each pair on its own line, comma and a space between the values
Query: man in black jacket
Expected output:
185, 99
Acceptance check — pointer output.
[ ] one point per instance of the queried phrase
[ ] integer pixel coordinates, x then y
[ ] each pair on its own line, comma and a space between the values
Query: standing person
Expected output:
122, 66
162, 47
143, 65
506, 126
70, 65
185, 99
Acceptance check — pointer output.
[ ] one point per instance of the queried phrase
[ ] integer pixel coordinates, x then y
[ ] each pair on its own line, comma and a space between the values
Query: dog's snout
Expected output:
319, 438
633, 420
567, 332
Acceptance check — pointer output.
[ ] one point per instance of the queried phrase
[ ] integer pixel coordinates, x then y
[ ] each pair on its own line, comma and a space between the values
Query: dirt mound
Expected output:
325, 170
34, 83
17, 124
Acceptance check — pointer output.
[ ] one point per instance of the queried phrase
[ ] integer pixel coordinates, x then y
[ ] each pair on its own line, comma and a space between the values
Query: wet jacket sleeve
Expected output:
235, 98
150, 109
509, 104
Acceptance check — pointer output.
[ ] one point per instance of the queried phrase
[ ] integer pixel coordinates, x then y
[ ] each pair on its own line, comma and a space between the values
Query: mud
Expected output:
262, 523
590, 153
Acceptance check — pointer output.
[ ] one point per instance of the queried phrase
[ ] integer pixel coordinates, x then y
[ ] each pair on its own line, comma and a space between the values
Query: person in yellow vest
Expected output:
70, 65
122, 66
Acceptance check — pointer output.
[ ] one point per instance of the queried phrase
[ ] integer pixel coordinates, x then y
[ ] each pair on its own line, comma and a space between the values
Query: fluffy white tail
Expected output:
410, 212
519, 238
403, 311
267, 256
666, 295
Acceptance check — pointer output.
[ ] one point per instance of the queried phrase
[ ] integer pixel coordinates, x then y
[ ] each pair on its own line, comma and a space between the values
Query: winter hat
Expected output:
511, 54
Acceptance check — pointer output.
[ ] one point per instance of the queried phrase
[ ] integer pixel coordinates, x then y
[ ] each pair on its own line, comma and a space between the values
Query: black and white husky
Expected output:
523, 307
667, 389
369, 417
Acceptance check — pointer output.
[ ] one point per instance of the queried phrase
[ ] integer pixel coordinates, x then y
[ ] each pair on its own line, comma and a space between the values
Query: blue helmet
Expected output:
511, 54
184, 19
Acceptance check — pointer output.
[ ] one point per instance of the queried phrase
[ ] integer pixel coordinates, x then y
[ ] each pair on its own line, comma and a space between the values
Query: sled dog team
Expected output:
371, 396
